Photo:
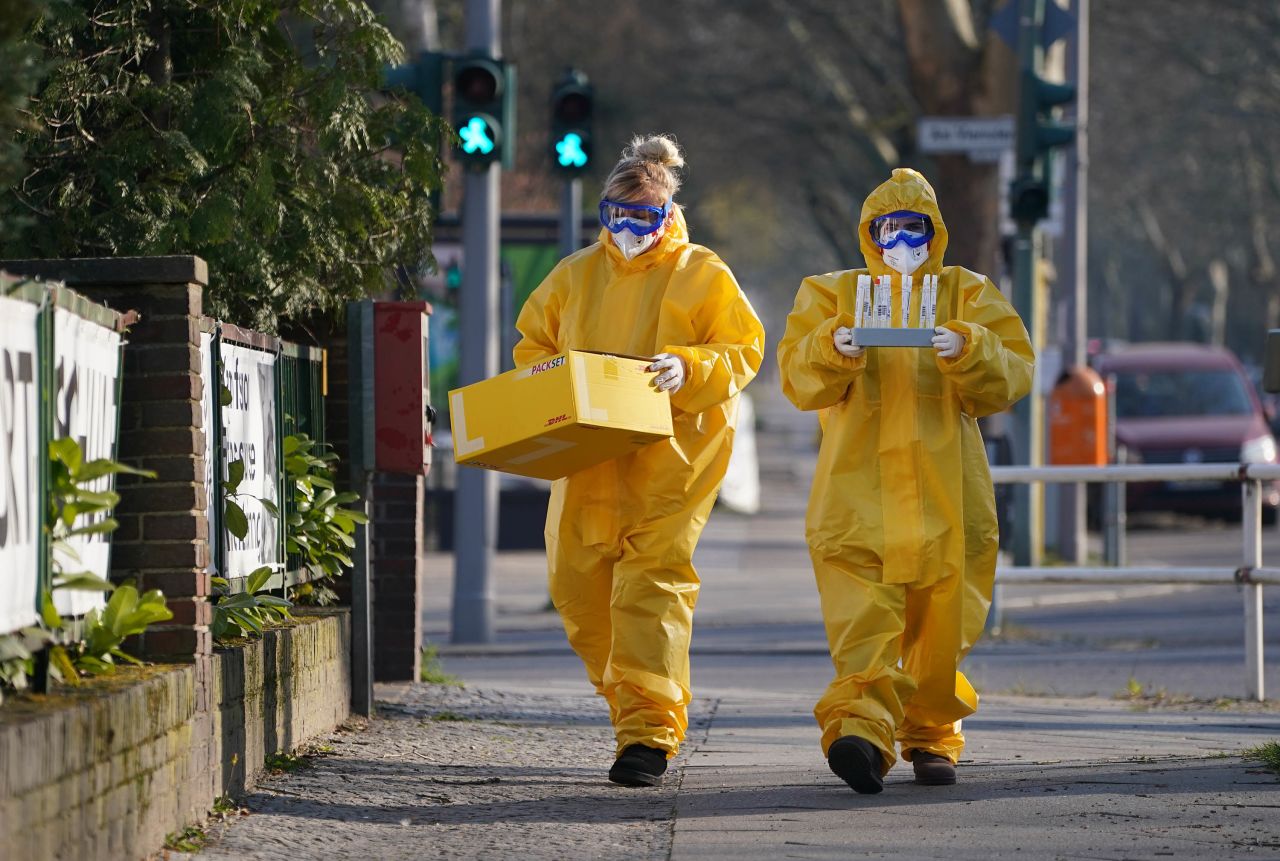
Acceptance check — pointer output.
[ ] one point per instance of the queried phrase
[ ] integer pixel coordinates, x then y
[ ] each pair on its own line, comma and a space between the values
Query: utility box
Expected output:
1078, 419
559, 416
401, 388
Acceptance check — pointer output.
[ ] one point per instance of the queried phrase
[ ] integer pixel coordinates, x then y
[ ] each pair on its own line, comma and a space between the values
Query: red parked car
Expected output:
1187, 403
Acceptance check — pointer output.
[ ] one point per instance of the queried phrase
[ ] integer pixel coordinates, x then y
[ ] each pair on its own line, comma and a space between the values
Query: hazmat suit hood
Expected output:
906, 190
674, 237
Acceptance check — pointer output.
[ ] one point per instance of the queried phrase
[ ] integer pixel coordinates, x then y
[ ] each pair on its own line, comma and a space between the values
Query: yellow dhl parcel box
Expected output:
554, 418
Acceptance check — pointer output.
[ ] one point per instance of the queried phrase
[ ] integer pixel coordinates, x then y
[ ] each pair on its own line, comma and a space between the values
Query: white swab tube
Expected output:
862, 311
883, 297
905, 319
932, 292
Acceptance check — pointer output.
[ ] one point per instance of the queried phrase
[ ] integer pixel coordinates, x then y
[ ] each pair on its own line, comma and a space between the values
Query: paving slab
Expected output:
1041, 778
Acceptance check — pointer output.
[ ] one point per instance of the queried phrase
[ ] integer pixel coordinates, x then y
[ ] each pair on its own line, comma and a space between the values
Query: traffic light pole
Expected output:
1072, 266
1028, 413
571, 217
476, 497
1028, 433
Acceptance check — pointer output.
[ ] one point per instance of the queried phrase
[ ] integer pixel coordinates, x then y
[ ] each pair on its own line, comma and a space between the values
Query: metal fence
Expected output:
1249, 575
262, 390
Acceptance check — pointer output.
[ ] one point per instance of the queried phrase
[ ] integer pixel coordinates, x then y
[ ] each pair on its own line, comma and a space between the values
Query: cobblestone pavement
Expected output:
447, 772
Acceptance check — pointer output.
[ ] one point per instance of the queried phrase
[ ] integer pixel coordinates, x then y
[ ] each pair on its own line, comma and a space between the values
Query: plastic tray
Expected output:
864, 337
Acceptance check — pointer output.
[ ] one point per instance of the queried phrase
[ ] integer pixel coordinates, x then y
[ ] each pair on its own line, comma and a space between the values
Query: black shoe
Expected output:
639, 765
856, 761
932, 769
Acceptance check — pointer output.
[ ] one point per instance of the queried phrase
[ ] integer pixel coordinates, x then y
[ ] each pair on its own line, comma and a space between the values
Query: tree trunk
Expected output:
954, 73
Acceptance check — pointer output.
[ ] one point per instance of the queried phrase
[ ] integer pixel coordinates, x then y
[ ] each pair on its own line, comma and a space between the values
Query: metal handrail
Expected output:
1249, 575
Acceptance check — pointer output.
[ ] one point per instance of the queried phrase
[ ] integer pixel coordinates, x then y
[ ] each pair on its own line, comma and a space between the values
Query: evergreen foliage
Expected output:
244, 131
18, 70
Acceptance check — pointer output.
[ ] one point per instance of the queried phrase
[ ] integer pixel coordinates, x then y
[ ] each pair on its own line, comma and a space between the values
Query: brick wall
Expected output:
397, 560
163, 539
107, 770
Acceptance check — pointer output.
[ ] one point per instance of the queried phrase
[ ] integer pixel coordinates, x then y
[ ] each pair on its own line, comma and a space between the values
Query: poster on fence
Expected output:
249, 432
86, 368
19, 465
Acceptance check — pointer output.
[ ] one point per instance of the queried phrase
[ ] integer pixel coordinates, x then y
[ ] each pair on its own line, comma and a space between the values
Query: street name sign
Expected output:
980, 138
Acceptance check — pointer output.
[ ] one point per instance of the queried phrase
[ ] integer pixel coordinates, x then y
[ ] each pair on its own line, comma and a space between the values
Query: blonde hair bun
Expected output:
647, 169
661, 149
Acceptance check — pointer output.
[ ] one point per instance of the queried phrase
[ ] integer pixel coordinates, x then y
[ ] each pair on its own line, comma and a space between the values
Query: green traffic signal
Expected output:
569, 152
479, 136
484, 110
571, 110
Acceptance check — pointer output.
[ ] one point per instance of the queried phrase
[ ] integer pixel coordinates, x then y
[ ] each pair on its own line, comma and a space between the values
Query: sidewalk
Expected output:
519, 773
513, 765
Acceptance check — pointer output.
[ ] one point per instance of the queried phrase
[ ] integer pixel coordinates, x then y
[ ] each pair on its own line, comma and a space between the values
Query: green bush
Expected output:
245, 131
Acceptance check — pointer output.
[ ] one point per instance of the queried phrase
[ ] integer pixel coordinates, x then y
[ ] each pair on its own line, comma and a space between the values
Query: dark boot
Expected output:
857, 762
639, 765
932, 769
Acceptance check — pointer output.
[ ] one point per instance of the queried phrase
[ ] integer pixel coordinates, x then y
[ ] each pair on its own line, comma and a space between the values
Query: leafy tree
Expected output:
18, 70
244, 131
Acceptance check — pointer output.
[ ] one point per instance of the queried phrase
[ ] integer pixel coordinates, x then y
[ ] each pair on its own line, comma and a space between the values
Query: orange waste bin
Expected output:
1078, 419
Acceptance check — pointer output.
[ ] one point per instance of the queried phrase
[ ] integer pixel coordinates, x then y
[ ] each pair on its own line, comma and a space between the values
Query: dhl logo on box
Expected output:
559, 416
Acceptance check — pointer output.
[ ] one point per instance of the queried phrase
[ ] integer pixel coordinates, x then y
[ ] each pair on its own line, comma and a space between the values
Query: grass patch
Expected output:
225, 804
451, 716
1268, 754
190, 839
432, 672
278, 763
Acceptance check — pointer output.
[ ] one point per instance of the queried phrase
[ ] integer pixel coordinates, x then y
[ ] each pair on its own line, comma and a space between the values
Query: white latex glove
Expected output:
947, 343
843, 341
671, 372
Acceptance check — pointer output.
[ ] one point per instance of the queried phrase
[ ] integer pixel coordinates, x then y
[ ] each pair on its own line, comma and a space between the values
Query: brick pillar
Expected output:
397, 539
163, 539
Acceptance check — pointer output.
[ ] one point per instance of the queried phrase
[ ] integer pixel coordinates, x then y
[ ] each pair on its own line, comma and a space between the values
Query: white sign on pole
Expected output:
981, 138
20, 449
86, 360
249, 435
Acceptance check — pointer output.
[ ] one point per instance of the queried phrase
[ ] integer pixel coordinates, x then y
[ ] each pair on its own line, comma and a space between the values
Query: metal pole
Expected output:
1027, 504
1073, 264
571, 217
359, 413
1251, 521
476, 499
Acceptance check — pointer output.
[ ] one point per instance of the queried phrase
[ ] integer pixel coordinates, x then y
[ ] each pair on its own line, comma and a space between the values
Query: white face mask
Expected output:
905, 259
632, 246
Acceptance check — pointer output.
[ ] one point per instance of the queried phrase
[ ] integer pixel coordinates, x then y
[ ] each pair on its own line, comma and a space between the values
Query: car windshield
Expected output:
1153, 394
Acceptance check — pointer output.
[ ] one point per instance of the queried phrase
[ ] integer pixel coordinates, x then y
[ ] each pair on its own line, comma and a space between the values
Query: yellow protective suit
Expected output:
620, 536
901, 523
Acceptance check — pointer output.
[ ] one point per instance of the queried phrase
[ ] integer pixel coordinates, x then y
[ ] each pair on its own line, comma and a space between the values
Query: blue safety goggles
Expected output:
912, 228
640, 218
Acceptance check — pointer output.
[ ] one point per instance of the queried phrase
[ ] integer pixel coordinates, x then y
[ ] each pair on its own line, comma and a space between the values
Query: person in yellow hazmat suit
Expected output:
620, 535
901, 523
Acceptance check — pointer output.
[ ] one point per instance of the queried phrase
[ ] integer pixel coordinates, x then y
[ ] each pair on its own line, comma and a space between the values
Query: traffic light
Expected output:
484, 110
1038, 134
424, 78
571, 109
